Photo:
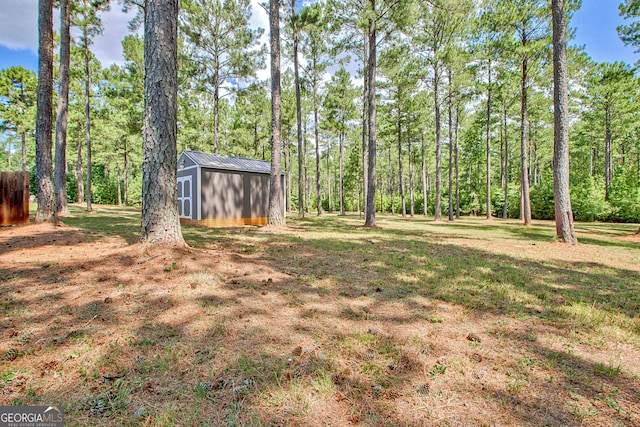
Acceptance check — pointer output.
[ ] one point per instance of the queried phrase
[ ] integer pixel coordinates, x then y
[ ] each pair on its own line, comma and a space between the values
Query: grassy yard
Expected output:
413, 323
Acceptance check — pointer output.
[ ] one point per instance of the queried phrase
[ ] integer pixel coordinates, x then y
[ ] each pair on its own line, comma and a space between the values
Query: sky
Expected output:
595, 25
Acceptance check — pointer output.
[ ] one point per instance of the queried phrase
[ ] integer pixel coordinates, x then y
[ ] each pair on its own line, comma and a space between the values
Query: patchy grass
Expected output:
323, 323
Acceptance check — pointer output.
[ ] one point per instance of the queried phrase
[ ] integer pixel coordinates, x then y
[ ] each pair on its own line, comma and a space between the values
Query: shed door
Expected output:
184, 197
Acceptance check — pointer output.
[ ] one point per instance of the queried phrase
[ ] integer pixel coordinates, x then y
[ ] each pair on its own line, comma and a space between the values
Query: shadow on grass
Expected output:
229, 364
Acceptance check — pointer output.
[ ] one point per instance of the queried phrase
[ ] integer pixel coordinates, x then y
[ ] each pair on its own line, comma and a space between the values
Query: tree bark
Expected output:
424, 176
317, 135
488, 206
365, 118
457, 172
450, 122
24, 151
216, 113
438, 201
87, 115
565, 231
296, 71
524, 177
126, 175
60, 176
79, 172
400, 171
160, 218
393, 205
342, 205
412, 201
276, 218
44, 168
505, 210
370, 208
607, 152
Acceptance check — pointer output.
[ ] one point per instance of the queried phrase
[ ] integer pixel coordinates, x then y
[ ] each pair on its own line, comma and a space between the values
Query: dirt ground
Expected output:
245, 336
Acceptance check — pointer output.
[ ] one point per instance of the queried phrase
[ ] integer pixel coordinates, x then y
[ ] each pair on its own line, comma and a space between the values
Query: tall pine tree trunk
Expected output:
87, 115
296, 72
276, 218
438, 201
24, 151
370, 206
44, 167
160, 218
400, 171
424, 175
505, 210
450, 122
118, 187
457, 169
365, 121
79, 171
317, 135
524, 172
60, 176
488, 148
216, 113
342, 207
126, 175
412, 200
565, 231
607, 152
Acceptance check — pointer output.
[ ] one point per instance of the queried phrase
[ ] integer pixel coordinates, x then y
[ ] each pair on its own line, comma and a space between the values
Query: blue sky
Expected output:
595, 27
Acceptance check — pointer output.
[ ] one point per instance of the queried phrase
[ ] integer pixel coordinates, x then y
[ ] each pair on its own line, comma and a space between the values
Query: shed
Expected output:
223, 191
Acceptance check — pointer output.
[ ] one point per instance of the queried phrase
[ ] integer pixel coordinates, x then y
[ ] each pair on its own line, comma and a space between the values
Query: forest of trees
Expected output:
453, 98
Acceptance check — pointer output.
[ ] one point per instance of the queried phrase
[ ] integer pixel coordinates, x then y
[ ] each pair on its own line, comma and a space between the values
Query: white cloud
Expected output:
19, 29
107, 46
260, 19
19, 24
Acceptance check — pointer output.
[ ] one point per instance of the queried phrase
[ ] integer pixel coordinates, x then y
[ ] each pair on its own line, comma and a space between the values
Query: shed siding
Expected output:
230, 194
187, 161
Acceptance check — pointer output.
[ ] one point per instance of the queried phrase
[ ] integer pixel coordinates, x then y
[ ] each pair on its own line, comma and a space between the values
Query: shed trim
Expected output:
199, 186
189, 167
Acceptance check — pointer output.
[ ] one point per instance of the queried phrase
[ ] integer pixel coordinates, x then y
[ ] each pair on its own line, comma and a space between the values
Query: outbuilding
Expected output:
223, 191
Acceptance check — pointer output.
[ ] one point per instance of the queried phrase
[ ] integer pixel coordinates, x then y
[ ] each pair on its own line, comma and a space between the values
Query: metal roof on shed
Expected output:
216, 161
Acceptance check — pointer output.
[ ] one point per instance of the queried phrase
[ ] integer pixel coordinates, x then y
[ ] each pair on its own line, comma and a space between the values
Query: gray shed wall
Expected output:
232, 194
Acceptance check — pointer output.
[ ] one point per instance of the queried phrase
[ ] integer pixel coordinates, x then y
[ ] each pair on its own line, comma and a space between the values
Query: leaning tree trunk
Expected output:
524, 176
276, 218
60, 177
370, 206
565, 231
44, 172
160, 218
